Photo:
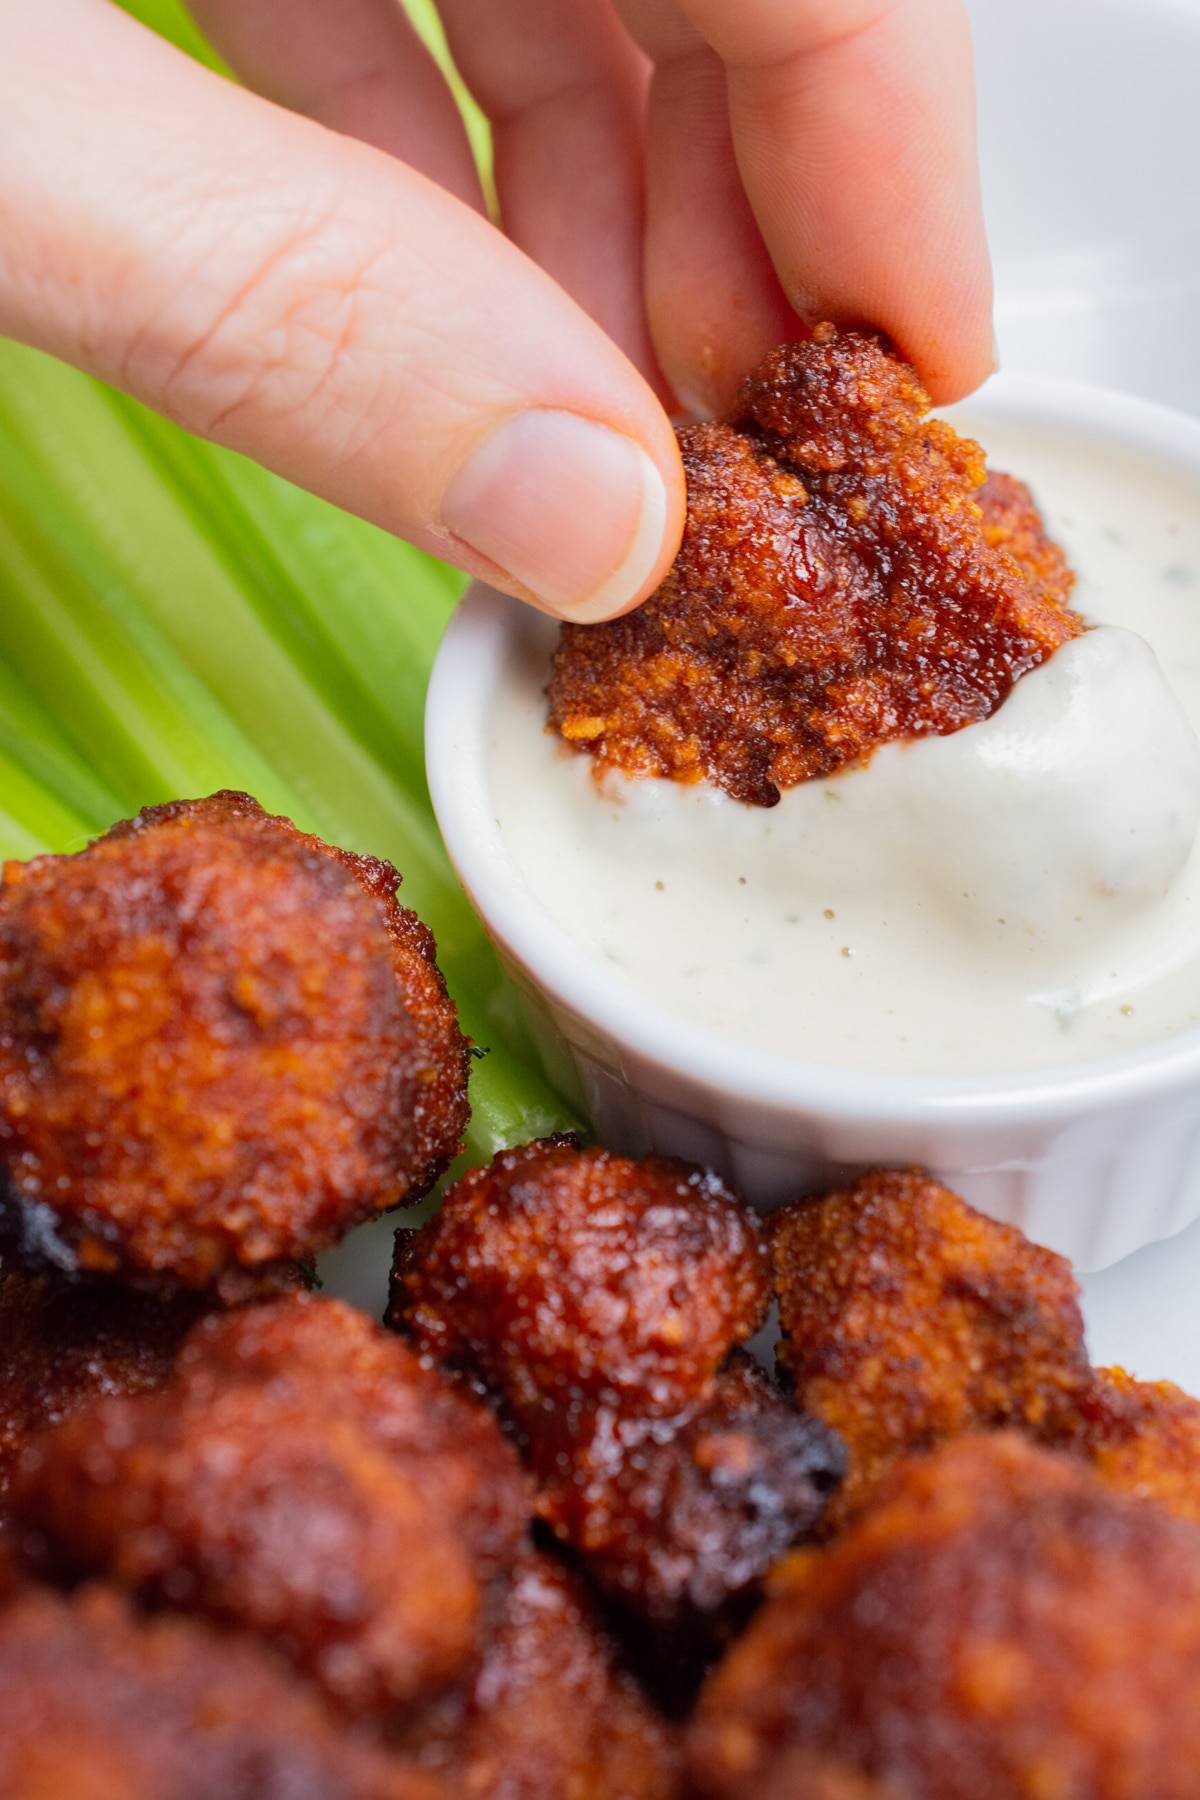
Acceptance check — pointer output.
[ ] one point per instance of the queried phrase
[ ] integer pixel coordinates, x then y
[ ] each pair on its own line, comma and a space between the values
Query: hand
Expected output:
314, 282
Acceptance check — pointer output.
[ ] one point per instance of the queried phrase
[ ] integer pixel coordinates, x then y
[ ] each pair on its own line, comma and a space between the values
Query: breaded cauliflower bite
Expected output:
799, 1776
680, 1526
96, 1704
342, 1503
337, 1358
551, 1711
222, 1044
999, 1627
907, 1318
574, 1274
599, 1301
845, 579
64, 1343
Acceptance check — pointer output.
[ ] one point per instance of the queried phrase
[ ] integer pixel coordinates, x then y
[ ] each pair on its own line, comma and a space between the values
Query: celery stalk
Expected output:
171, 19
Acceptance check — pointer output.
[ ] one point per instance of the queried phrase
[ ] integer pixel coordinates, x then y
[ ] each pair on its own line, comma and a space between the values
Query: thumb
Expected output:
307, 300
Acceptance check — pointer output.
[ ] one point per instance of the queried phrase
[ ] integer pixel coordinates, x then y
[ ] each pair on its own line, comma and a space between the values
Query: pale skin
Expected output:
302, 267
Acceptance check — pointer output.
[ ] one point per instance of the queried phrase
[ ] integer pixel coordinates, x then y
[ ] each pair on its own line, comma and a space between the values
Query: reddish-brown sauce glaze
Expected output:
846, 578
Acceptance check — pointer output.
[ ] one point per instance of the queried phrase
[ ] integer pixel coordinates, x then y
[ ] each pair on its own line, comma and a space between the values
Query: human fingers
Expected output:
714, 302
853, 128
357, 66
565, 90
312, 302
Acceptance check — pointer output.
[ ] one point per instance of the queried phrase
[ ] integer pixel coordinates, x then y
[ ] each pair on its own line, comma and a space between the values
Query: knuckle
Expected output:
259, 342
761, 35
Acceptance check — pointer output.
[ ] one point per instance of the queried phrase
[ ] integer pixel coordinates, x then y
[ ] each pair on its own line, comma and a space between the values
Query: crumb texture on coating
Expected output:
680, 1526
556, 1270
845, 579
306, 1479
601, 1303
222, 1044
96, 1704
551, 1711
907, 1318
1000, 1625
1142, 1438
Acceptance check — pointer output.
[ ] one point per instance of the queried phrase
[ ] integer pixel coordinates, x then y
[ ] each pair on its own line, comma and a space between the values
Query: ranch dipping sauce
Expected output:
1022, 893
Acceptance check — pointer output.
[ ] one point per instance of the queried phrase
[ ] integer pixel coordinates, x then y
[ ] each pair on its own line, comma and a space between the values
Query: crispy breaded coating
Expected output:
335, 1356
98, 1705
1142, 1438
260, 1514
1000, 1626
64, 1343
800, 1776
356, 1518
598, 1301
1011, 521
222, 1044
680, 1526
551, 1714
838, 586
907, 1318
576, 1275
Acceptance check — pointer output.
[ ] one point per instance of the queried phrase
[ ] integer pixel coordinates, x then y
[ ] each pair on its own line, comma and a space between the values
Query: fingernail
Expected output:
570, 509
694, 401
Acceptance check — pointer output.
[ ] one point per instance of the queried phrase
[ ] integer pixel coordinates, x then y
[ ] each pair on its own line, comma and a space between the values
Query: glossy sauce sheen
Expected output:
1022, 893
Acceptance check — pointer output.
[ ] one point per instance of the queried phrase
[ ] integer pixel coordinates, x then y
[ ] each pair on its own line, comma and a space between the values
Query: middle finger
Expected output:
714, 301
565, 90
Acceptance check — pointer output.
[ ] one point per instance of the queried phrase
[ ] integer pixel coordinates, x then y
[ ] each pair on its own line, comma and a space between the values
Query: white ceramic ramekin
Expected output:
1094, 1159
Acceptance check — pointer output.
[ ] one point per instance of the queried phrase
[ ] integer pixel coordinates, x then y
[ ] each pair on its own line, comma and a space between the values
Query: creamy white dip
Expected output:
1023, 893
